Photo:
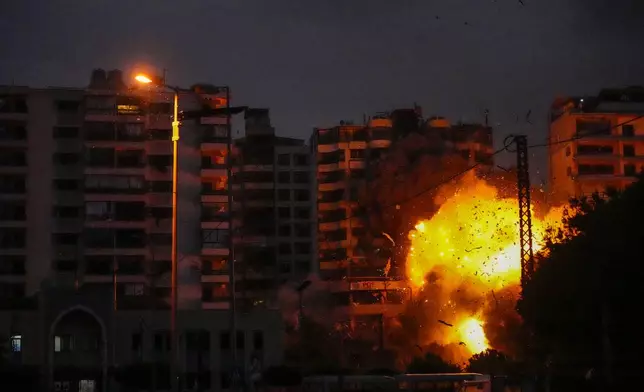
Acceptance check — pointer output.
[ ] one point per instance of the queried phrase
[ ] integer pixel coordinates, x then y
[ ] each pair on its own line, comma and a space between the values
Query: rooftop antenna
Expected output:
487, 115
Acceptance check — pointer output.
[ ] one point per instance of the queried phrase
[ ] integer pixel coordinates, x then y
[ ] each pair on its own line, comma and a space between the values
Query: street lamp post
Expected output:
174, 348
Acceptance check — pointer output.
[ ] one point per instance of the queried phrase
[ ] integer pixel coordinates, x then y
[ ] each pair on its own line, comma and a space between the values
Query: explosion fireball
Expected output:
464, 254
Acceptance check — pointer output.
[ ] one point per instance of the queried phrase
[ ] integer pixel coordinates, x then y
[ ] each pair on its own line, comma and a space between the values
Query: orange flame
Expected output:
472, 241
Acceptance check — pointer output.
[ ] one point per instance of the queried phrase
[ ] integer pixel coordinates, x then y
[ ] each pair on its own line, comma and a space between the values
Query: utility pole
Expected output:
525, 213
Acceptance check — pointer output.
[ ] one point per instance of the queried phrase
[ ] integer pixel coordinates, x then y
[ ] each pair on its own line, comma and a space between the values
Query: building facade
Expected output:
595, 143
86, 206
273, 208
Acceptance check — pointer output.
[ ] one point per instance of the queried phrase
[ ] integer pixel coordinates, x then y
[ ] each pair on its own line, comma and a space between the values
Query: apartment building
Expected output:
596, 142
85, 230
367, 290
273, 208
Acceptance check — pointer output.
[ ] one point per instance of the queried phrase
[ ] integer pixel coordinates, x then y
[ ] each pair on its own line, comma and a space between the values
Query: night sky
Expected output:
317, 62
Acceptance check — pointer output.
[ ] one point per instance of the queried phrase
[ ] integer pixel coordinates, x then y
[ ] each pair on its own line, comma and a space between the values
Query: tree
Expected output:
492, 362
582, 303
431, 363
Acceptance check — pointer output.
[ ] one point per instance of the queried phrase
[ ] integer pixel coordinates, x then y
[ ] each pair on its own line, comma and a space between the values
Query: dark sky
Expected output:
317, 62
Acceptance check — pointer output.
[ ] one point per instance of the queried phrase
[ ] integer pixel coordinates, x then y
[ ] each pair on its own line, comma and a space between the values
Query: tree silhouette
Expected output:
431, 363
491, 362
582, 304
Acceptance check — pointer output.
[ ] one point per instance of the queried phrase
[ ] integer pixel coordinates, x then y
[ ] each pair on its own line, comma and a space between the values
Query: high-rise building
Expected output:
367, 289
85, 234
595, 142
273, 208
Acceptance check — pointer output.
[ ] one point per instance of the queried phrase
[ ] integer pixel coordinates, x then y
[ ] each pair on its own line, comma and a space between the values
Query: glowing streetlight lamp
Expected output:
143, 79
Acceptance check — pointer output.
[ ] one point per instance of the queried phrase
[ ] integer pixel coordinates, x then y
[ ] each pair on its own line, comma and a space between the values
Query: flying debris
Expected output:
389, 238
445, 323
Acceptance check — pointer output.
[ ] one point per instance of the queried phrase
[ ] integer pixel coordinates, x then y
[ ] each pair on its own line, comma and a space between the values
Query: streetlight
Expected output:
173, 285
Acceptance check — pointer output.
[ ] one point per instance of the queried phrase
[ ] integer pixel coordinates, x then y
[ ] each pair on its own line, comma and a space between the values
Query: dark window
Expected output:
284, 195
302, 195
12, 183
161, 186
628, 130
629, 170
301, 160
12, 237
224, 340
302, 213
12, 265
12, 210
137, 341
629, 150
284, 230
66, 185
159, 134
258, 340
301, 177
65, 238
66, 158
302, 248
240, 341
284, 177
284, 248
65, 212
68, 106
284, 212
357, 154
284, 160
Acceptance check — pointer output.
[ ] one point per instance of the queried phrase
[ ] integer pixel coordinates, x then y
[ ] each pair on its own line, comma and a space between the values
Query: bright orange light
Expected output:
143, 79
473, 336
465, 253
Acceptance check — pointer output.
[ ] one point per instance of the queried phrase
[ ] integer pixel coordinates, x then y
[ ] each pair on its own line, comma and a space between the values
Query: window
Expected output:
301, 160
12, 210
134, 289
629, 170
161, 186
109, 183
162, 341
224, 340
68, 106
284, 212
66, 265
258, 340
66, 185
240, 340
65, 158
284, 160
628, 130
629, 150
284, 194
12, 237
302, 230
215, 238
66, 132
65, 212
357, 154
16, 343
302, 213
11, 183
302, 195
137, 341
64, 238
284, 177
303, 248
63, 343
284, 230
159, 134
12, 265
284, 248
301, 177
13, 156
